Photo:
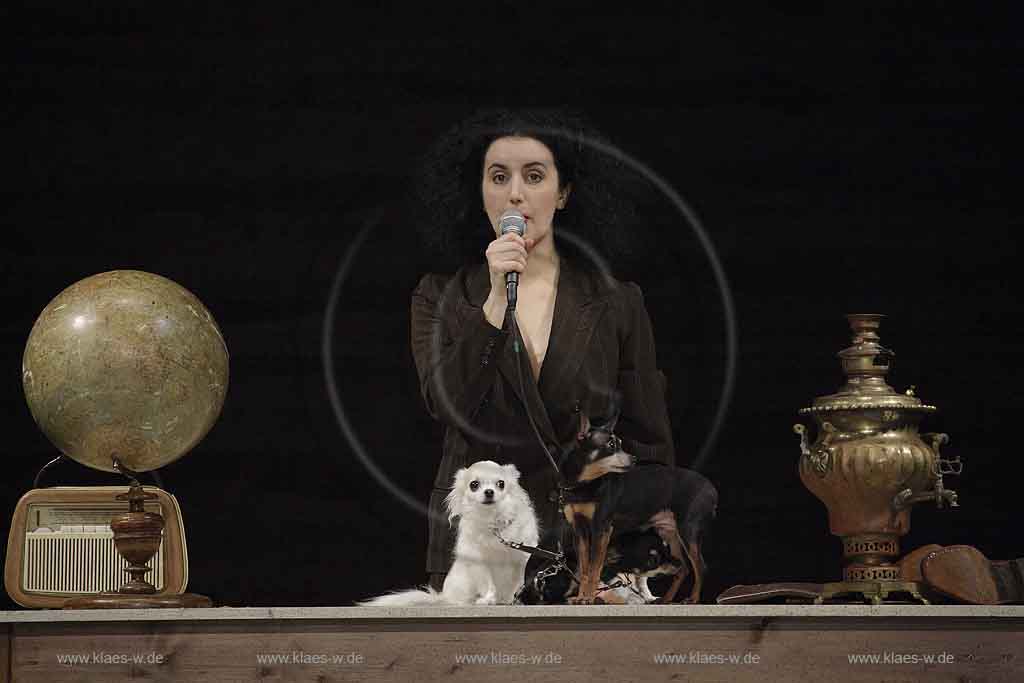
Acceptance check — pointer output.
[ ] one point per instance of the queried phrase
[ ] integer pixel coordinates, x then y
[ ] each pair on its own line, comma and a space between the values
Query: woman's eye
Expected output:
535, 177
474, 485
498, 178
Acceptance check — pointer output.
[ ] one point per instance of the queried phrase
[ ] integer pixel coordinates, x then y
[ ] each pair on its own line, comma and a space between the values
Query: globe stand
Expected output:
137, 536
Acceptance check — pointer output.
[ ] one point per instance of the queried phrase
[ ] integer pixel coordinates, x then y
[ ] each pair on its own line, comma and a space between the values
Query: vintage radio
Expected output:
61, 545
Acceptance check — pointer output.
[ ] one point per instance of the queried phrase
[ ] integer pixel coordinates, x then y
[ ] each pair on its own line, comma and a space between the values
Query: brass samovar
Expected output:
869, 465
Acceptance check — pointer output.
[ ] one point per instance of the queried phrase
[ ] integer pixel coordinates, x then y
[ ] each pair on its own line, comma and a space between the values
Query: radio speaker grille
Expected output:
80, 563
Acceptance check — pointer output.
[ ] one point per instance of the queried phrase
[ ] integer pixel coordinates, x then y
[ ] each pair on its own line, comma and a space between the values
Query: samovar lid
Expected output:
865, 363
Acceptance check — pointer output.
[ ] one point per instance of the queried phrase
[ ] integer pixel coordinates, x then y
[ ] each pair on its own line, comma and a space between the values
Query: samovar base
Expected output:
871, 558
877, 592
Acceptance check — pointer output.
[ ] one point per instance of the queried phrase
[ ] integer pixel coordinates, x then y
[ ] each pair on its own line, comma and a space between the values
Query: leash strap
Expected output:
546, 554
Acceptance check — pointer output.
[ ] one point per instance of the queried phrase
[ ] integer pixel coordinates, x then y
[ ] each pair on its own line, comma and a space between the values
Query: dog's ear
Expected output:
614, 408
584, 426
453, 501
511, 472
459, 480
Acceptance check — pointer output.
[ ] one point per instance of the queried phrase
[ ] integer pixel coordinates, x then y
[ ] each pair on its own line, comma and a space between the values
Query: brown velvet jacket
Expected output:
601, 339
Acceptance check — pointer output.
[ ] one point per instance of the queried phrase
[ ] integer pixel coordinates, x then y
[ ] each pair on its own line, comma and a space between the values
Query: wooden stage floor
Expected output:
571, 643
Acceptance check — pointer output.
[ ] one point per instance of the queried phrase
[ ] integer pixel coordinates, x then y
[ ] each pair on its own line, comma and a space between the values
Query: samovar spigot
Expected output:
940, 494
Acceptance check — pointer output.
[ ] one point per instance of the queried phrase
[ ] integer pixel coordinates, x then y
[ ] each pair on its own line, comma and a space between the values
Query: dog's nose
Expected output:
488, 493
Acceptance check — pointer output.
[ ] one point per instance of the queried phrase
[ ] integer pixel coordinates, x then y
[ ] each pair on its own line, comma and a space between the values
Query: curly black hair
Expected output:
600, 211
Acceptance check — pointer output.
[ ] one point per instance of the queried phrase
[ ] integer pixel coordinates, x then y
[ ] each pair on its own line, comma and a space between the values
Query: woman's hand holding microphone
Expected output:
506, 254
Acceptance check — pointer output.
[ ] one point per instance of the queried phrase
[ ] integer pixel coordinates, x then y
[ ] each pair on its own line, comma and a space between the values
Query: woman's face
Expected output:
520, 173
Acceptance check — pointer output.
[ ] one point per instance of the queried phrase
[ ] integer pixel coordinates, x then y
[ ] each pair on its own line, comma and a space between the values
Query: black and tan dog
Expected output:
605, 489
632, 558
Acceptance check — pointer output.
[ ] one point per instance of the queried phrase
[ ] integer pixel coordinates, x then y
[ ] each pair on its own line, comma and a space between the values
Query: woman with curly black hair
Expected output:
585, 335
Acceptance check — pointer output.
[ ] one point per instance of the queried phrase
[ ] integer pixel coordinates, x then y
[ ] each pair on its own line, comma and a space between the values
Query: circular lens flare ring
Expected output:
443, 395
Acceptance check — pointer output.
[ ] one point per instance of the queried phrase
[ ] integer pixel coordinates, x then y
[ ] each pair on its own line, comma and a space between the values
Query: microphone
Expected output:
512, 221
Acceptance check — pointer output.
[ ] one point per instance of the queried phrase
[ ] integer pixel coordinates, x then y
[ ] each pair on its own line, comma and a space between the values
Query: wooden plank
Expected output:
783, 650
726, 614
5, 653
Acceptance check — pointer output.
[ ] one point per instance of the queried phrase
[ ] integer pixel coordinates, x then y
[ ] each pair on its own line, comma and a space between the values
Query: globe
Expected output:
128, 365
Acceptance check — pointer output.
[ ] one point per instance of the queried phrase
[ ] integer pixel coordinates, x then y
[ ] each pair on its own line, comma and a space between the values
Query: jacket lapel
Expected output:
577, 311
574, 319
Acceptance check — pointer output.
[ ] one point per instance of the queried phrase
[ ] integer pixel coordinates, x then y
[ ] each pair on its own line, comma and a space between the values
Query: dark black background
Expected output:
858, 161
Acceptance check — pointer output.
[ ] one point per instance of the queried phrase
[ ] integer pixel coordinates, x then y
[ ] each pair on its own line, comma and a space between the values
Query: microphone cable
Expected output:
510, 318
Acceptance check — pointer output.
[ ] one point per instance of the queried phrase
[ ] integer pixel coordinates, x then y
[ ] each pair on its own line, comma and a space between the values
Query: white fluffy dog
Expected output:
486, 498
